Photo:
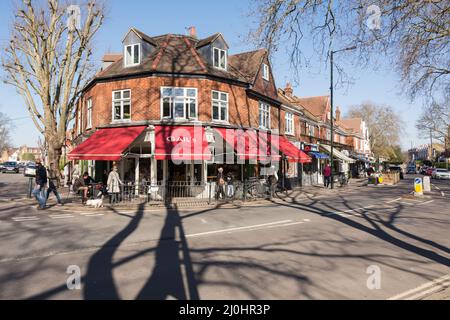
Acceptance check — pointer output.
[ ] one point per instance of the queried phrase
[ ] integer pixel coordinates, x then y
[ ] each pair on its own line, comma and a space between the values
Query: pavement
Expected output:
351, 243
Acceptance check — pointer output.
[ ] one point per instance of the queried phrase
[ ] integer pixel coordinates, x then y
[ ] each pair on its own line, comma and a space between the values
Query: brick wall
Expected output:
146, 103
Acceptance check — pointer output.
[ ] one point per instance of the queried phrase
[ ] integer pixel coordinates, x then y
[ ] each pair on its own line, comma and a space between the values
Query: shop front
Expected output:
312, 172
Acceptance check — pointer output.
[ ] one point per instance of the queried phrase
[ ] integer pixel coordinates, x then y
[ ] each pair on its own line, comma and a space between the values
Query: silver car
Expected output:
440, 174
30, 170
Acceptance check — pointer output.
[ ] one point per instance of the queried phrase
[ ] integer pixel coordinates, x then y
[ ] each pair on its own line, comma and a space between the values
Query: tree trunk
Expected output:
54, 149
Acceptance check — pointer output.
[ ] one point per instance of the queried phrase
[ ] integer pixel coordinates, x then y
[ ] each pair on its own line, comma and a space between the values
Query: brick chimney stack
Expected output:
192, 32
288, 90
338, 114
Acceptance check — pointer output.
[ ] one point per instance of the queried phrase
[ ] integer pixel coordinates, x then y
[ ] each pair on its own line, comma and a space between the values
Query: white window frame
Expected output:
264, 115
89, 114
289, 123
121, 100
219, 101
132, 55
79, 121
226, 58
185, 97
266, 73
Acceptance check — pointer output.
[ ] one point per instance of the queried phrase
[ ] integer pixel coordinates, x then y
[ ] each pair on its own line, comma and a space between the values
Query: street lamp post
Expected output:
332, 108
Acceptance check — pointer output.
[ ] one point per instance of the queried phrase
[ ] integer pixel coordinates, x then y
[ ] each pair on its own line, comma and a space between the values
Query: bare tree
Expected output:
384, 127
435, 120
48, 61
4, 132
413, 34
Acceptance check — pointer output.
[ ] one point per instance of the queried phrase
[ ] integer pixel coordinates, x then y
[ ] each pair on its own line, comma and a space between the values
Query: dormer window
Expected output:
132, 55
220, 58
266, 72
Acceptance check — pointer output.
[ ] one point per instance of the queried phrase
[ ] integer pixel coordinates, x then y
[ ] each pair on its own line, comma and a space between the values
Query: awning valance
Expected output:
106, 144
249, 144
181, 143
293, 153
337, 154
318, 155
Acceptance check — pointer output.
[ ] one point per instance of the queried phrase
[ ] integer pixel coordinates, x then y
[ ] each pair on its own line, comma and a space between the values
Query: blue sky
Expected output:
161, 17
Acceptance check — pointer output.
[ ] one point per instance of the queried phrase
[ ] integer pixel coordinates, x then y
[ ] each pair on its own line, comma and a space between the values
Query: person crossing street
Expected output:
41, 182
54, 176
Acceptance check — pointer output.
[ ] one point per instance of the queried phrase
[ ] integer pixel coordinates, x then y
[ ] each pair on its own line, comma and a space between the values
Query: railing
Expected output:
161, 193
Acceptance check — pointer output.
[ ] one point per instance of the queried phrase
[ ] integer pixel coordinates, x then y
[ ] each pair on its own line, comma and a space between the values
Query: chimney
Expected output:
288, 90
338, 114
109, 58
192, 32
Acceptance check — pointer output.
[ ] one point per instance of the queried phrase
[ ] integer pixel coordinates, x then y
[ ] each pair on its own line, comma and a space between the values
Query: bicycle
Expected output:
343, 180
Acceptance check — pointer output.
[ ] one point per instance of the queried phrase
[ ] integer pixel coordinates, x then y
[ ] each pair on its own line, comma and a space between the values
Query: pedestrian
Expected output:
41, 181
273, 179
327, 175
54, 176
220, 180
230, 187
66, 174
114, 183
75, 174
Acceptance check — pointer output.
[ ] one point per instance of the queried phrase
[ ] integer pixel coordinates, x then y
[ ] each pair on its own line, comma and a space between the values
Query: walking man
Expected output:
41, 181
327, 175
220, 180
54, 176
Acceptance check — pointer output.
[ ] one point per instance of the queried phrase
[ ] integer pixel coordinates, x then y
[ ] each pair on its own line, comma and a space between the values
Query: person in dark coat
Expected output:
41, 182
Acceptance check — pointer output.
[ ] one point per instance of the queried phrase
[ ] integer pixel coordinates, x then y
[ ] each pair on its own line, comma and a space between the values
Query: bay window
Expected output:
264, 115
121, 105
178, 103
219, 106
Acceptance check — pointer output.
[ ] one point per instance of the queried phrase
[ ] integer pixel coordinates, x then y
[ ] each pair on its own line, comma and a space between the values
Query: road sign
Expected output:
418, 187
426, 184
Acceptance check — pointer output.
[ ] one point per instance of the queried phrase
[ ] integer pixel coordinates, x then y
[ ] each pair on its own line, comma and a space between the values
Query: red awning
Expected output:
179, 143
249, 144
293, 153
106, 144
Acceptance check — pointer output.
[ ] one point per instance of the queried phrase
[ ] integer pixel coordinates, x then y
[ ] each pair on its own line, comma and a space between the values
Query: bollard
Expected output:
209, 201
30, 187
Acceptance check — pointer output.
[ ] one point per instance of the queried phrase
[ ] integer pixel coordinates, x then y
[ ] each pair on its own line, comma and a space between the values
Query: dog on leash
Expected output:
96, 203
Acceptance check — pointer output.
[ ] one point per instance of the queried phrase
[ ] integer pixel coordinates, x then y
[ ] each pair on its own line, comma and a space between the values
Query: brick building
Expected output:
151, 100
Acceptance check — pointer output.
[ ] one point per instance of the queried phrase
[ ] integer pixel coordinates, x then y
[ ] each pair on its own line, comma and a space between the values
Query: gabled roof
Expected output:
315, 105
248, 63
178, 54
291, 101
141, 35
209, 40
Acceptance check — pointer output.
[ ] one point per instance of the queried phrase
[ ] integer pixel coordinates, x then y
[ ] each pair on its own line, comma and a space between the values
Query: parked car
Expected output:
411, 169
10, 166
440, 174
429, 171
2, 166
30, 170
397, 169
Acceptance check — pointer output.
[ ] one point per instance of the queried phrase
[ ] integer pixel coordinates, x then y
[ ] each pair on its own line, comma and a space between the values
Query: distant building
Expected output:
425, 152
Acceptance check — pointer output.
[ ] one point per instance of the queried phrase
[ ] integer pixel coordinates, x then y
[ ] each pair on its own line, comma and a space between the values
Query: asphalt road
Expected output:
307, 248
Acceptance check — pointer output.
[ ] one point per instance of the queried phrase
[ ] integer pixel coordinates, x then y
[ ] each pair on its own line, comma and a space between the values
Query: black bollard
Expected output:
30, 187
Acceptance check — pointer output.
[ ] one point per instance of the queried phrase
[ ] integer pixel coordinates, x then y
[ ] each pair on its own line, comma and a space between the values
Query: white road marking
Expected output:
442, 193
420, 204
306, 220
395, 200
343, 213
424, 289
61, 216
238, 228
94, 215
21, 219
